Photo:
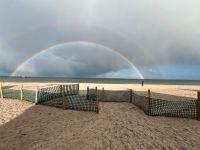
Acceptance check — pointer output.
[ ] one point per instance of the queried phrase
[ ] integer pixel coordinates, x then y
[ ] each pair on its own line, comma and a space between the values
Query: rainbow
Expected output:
20, 66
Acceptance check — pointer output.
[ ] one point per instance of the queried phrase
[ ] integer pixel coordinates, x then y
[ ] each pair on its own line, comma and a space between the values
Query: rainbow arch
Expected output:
77, 42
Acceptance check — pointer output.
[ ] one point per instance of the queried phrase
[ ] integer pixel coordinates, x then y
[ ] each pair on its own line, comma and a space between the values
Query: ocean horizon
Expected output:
98, 80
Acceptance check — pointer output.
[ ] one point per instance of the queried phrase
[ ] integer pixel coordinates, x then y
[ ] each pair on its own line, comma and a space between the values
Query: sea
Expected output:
98, 80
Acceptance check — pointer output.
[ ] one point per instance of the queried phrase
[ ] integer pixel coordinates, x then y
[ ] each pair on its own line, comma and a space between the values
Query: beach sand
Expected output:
24, 125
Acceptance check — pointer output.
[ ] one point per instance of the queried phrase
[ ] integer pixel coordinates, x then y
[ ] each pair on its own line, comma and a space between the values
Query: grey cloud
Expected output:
146, 32
73, 61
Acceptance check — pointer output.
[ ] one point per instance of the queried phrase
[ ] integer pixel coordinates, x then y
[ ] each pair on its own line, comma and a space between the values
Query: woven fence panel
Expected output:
11, 93
80, 102
46, 94
29, 95
142, 102
185, 109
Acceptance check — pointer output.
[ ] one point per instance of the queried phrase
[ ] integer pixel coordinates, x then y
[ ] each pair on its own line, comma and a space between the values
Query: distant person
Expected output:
142, 83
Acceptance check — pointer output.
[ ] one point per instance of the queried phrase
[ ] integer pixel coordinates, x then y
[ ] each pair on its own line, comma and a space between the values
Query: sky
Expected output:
100, 38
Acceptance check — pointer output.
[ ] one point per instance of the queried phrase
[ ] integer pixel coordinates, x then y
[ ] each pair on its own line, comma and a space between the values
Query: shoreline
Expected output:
100, 80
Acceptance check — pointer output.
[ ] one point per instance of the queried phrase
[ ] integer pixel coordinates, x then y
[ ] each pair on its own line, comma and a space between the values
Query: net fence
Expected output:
114, 96
142, 102
184, 109
76, 102
168, 108
49, 93
29, 95
81, 102
71, 89
71, 100
11, 94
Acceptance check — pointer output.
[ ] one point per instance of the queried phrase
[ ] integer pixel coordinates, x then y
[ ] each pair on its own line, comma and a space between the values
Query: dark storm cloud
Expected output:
84, 62
148, 33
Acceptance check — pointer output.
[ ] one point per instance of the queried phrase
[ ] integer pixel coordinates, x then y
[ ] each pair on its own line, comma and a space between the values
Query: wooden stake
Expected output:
78, 89
198, 105
36, 96
97, 100
21, 91
62, 96
1, 90
149, 98
131, 95
87, 91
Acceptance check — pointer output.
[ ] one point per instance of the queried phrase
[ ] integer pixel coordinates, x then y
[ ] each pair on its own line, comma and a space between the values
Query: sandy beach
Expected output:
24, 125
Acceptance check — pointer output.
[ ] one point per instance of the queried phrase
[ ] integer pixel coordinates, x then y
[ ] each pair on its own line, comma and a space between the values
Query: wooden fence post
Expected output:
87, 91
36, 96
198, 105
149, 99
21, 91
78, 89
62, 96
97, 100
131, 95
1, 90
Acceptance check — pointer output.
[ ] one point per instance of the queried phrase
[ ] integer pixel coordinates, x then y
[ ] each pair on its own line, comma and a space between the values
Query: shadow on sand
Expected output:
44, 127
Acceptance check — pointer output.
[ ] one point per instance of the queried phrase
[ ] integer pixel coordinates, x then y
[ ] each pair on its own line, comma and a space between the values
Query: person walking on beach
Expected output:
142, 83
